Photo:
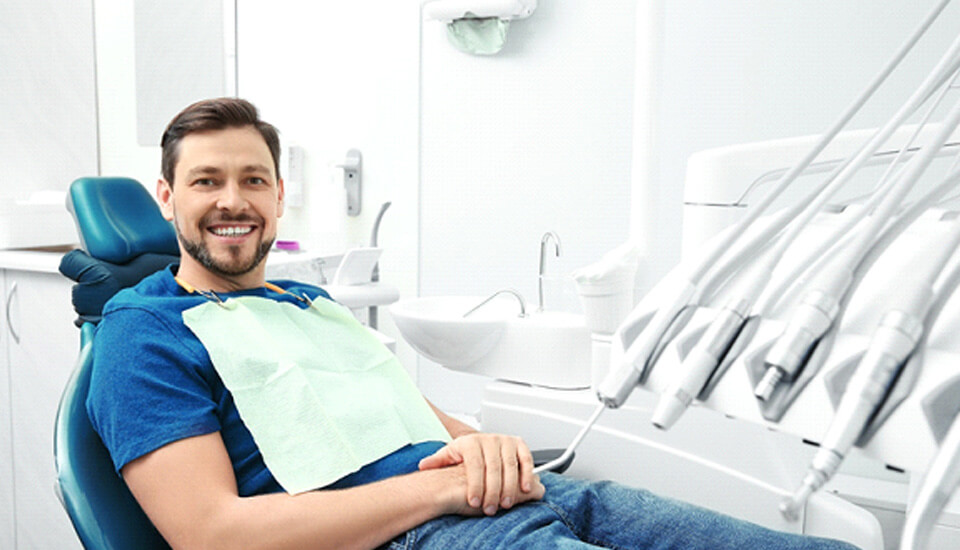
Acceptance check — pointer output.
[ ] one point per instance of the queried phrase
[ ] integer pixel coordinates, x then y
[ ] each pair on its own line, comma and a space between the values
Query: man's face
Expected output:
225, 201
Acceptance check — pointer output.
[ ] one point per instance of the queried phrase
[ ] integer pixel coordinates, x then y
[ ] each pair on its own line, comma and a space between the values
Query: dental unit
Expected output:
806, 313
745, 257
821, 304
641, 351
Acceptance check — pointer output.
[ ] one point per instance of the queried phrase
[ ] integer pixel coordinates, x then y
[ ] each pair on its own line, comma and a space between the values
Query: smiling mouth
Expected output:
231, 230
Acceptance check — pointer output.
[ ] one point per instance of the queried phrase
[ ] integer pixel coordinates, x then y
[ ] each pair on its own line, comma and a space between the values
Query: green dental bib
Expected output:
321, 395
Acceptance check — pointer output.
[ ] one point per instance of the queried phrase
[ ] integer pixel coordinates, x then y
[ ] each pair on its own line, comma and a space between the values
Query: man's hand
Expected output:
498, 470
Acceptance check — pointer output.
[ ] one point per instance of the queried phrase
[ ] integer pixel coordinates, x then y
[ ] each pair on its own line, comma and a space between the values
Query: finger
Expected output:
511, 473
447, 456
494, 474
525, 457
473, 461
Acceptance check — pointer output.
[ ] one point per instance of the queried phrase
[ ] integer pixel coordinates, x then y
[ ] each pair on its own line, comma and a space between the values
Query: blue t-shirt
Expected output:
153, 383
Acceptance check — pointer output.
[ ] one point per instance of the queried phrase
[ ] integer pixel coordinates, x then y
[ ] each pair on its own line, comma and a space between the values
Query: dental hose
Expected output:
708, 353
819, 307
943, 474
563, 458
615, 388
896, 330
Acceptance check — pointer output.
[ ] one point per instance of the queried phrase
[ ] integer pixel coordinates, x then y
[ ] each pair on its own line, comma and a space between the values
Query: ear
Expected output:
280, 195
165, 198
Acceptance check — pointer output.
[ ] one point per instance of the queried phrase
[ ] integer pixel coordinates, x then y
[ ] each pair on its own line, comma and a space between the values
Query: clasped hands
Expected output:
496, 469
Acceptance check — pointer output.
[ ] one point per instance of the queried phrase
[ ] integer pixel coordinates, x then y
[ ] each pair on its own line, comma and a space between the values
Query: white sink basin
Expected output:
545, 348
437, 329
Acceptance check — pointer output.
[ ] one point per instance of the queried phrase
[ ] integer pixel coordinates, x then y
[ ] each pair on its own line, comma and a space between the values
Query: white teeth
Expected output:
231, 231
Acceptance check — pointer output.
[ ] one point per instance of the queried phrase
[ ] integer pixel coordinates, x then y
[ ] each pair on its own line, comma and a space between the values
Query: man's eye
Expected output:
257, 181
204, 182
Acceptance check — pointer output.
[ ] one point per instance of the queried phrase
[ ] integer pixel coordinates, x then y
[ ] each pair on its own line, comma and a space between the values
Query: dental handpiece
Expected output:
617, 385
892, 343
938, 485
811, 320
700, 363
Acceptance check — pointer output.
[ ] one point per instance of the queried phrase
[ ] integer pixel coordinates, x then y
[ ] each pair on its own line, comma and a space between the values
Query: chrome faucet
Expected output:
543, 257
523, 303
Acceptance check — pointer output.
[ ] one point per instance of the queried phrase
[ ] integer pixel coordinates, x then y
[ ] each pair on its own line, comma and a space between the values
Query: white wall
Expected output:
333, 76
48, 125
48, 130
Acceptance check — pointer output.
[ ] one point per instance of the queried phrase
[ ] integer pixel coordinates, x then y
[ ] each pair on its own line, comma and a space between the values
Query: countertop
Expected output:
41, 259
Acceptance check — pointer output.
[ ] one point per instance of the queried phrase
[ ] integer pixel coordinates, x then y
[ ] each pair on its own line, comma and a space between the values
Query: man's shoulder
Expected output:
156, 293
148, 314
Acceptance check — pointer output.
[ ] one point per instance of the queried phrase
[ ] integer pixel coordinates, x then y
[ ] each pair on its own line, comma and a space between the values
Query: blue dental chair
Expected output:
124, 238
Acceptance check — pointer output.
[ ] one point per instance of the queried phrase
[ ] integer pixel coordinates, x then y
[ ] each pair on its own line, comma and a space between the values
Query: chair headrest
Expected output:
117, 219
98, 280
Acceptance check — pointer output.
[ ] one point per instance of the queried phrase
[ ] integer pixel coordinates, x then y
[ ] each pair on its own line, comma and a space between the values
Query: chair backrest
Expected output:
104, 513
125, 238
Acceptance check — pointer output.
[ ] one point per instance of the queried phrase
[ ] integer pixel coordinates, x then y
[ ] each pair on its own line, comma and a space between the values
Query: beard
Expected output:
233, 267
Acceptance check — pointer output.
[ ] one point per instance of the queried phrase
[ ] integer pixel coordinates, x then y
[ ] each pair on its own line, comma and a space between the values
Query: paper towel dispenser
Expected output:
450, 10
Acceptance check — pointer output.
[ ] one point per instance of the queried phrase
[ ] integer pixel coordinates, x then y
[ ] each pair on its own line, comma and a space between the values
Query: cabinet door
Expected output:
6, 438
42, 355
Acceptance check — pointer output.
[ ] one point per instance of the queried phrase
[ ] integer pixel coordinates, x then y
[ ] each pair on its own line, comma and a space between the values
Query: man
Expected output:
194, 438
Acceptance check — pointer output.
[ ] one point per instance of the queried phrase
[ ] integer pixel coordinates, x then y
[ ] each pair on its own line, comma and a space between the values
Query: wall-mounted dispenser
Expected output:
352, 166
478, 26
293, 175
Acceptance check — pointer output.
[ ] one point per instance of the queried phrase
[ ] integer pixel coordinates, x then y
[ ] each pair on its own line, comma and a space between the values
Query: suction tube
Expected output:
573, 445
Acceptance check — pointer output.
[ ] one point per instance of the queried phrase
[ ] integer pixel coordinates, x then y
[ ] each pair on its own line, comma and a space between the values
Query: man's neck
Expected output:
201, 278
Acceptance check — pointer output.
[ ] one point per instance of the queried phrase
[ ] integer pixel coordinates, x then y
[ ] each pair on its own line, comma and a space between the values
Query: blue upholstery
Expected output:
118, 220
120, 223
97, 281
104, 513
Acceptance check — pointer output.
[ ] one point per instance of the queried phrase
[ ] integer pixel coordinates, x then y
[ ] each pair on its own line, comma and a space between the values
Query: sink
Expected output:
436, 328
549, 349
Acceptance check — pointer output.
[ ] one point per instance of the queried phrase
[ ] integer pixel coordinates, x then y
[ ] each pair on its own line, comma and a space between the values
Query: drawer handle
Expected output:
13, 290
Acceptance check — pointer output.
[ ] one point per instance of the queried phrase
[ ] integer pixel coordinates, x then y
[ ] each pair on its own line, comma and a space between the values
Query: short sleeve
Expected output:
147, 387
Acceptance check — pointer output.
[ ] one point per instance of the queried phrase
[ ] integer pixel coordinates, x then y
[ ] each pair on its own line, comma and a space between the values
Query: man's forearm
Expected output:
359, 517
453, 426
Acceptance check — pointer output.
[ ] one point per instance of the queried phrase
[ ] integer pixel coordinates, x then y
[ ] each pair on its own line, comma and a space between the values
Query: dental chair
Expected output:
124, 238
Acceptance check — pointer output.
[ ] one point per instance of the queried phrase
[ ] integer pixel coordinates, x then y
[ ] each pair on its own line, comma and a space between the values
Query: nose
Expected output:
232, 198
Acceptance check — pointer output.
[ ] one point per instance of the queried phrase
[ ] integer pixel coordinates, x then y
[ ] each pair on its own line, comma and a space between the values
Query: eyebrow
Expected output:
202, 171
212, 170
256, 168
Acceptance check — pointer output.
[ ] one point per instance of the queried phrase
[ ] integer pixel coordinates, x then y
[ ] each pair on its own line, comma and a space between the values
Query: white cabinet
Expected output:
7, 518
39, 346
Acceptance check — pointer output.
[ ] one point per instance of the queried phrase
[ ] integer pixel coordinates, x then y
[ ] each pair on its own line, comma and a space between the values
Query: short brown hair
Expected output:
214, 114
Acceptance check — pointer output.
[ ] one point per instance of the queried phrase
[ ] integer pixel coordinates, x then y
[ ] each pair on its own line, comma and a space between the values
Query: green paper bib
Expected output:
321, 395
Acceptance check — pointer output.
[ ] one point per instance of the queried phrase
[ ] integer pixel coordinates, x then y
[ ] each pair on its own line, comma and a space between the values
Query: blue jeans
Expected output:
581, 514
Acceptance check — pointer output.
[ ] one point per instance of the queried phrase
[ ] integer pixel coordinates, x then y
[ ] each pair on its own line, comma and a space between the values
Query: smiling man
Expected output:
244, 413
